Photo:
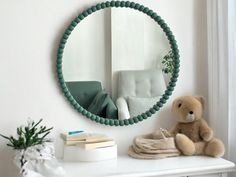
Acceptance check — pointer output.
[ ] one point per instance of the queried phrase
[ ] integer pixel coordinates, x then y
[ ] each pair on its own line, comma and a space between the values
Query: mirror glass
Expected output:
117, 63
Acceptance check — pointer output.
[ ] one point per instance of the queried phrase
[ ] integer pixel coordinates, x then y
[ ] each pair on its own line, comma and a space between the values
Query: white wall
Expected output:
29, 36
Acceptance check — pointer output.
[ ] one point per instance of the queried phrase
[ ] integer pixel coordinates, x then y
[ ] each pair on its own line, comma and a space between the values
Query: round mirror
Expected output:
118, 63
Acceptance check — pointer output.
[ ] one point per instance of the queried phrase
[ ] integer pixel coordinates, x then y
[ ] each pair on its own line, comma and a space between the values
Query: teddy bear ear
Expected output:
201, 99
173, 104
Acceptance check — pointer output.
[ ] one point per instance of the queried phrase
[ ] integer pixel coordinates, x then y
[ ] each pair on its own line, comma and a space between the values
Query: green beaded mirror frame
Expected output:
170, 87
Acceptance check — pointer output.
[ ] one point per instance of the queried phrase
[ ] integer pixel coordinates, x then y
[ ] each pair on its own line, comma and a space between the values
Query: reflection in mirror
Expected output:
117, 63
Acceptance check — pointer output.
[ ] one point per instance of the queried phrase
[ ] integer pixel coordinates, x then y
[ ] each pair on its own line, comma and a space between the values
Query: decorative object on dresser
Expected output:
192, 134
147, 147
35, 155
88, 147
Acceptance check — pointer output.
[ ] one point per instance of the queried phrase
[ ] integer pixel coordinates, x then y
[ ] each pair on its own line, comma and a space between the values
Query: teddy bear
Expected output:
192, 134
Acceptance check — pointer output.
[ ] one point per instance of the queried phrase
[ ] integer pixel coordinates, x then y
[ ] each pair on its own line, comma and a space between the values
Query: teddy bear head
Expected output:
188, 108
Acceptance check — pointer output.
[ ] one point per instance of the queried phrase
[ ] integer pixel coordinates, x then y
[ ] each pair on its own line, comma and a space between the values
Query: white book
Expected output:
75, 154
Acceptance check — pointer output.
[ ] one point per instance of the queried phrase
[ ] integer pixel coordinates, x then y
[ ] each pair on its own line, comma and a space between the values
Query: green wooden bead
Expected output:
167, 92
145, 10
85, 13
144, 116
111, 122
122, 4
132, 5
74, 102
107, 122
70, 97
60, 52
61, 80
141, 8
160, 104
131, 121
170, 88
98, 6
116, 122
84, 112
174, 79
60, 76
71, 28
177, 65
62, 45
126, 122
65, 36
63, 85
121, 122
89, 11
150, 12
176, 75
136, 6
149, 114
103, 5
113, 3
63, 40
102, 120
80, 109
107, 4
77, 106
59, 70
176, 71
152, 110
93, 8
140, 118
93, 117
88, 114
117, 3
160, 22
154, 15
97, 119
162, 101
135, 120
81, 17
157, 18
173, 84
166, 97
156, 107
127, 4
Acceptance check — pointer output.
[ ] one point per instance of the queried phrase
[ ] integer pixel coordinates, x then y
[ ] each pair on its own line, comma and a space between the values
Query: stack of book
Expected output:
88, 147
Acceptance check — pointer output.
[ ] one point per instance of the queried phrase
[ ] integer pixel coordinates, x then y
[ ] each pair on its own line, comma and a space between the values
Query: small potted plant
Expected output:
34, 150
168, 65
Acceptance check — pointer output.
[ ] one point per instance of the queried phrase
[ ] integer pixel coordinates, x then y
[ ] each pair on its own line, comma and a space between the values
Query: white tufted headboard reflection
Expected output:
138, 84
141, 83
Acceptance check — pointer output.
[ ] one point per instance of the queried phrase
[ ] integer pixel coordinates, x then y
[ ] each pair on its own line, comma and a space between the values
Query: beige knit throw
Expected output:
146, 147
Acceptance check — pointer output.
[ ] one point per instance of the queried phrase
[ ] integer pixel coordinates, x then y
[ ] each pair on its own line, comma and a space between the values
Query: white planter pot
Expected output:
38, 161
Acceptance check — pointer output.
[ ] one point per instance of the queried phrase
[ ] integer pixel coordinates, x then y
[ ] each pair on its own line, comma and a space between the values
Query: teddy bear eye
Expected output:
179, 105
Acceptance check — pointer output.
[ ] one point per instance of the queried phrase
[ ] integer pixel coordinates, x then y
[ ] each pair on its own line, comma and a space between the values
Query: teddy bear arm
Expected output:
206, 132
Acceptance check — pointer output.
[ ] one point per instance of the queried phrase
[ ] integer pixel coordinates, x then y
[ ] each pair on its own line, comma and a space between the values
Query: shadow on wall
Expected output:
200, 40
7, 167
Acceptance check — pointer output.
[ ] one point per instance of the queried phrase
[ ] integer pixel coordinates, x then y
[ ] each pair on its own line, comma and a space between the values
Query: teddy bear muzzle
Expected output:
190, 117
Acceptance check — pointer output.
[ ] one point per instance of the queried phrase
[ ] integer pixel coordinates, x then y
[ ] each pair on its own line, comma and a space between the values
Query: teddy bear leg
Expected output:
185, 145
215, 148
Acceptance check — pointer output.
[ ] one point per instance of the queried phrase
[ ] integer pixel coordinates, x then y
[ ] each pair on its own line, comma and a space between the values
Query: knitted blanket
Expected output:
146, 147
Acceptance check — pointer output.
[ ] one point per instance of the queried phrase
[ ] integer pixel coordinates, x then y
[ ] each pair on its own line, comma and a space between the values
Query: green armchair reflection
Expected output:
91, 96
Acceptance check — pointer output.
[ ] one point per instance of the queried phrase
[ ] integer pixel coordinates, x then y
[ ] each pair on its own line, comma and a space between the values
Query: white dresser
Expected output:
124, 166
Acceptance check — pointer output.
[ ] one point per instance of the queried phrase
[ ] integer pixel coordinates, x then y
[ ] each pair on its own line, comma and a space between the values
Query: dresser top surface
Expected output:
125, 166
